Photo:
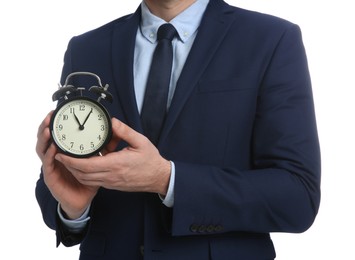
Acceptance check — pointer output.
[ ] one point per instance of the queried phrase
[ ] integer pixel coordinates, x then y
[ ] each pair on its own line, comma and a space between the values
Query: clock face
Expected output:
80, 127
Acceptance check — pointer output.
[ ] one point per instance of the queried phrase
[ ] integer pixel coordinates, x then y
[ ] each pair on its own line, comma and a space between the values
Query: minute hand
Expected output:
87, 117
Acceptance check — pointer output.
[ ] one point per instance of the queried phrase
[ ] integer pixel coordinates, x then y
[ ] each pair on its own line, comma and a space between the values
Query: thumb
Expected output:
121, 131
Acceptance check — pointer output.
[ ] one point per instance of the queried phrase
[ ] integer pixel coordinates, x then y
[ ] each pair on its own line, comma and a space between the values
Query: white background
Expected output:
34, 36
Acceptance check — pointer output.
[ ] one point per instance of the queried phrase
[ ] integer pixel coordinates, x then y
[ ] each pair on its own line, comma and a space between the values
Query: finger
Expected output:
51, 152
90, 179
122, 131
44, 124
83, 165
115, 139
43, 136
89, 172
48, 158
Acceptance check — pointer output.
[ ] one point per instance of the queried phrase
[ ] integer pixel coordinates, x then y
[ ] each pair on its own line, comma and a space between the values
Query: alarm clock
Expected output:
80, 126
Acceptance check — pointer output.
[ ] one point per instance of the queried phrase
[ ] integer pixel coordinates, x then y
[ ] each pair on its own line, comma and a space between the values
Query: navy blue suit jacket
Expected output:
241, 131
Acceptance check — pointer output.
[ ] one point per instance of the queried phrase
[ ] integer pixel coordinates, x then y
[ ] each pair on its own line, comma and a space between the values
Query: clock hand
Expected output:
86, 119
81, 127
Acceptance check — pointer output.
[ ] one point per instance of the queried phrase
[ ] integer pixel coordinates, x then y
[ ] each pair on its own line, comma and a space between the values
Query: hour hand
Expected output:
81, 127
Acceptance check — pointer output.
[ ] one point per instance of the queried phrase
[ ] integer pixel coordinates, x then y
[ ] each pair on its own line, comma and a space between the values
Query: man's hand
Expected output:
73, 196
137, 168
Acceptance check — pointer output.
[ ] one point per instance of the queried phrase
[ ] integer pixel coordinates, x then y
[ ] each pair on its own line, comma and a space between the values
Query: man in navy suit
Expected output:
238, 155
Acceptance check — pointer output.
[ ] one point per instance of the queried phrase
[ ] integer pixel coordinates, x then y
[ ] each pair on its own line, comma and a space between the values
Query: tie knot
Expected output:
166, 31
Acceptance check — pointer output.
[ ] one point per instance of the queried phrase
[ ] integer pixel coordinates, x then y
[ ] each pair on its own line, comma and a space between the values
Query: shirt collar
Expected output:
186, 23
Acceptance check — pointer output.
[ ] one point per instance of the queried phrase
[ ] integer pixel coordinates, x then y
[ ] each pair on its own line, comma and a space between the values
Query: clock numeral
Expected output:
102, 128
100, 116
81, 147
72, 110
99, 137
82, 108
92, 145
65, 117
60, 127
71, 144
64, 137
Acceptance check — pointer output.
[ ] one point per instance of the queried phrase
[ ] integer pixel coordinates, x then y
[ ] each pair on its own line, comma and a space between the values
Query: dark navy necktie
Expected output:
156, 93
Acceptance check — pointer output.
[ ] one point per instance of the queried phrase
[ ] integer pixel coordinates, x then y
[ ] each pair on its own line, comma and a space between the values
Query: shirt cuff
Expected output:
168, 200
76, 225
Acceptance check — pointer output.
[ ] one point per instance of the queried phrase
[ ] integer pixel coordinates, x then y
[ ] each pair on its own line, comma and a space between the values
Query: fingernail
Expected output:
58, 157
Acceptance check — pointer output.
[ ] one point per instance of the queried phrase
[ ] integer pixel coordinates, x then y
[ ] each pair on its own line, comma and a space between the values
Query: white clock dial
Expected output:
81, 127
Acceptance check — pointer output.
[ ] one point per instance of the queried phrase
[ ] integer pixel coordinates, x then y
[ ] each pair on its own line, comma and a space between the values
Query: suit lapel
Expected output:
213, 28
123, 43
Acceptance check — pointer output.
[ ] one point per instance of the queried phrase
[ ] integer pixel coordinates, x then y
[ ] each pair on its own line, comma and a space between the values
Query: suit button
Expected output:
210, 228
202, 229
218, 228
194, 228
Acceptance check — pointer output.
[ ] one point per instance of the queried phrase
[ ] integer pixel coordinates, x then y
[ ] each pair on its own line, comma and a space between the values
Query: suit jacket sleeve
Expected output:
48, 207
280, 188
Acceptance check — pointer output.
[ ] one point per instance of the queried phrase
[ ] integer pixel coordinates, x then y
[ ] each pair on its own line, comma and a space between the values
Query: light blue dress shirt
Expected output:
186, 24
